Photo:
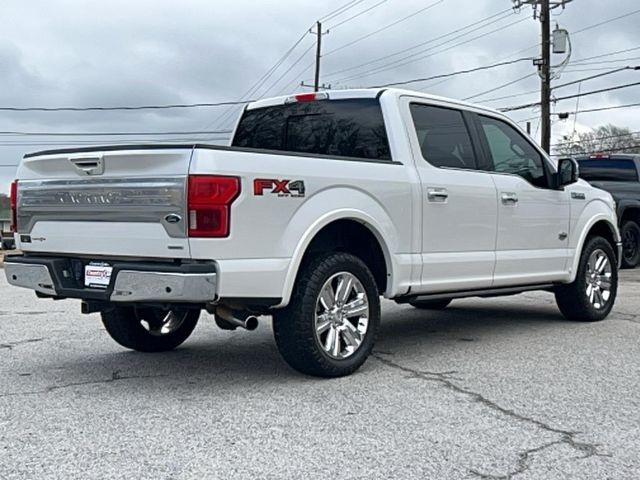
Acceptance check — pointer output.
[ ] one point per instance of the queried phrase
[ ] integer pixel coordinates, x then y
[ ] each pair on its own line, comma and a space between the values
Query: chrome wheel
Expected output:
159, 322
598, 279
342, 315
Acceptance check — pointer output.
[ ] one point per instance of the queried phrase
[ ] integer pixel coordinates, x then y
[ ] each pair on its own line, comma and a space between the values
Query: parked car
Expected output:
618, 175
6, 235
323, 203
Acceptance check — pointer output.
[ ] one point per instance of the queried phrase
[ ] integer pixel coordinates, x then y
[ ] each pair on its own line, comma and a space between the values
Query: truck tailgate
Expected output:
124, 202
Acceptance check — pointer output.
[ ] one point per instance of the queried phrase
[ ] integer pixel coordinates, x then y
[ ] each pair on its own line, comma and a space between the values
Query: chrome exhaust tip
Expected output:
248, 323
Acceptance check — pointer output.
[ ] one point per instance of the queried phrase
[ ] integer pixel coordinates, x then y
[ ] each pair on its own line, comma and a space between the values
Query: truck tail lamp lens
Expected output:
13, 205
209, 202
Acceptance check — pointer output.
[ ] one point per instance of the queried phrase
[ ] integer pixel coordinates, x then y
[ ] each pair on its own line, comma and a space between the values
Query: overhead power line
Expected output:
500, 87
122, 107
592, 77
446, 75
418, 45
292, 66
504, 97
333, 27
418, 55
142, 141
608, 54
221, 119
582, 30
382, 29
613, 107
595, 25
584, 94
340, 10
602, 62
107, 134
606, 137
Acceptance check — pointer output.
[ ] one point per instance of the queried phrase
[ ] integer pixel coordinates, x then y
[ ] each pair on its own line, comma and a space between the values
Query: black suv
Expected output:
618, 175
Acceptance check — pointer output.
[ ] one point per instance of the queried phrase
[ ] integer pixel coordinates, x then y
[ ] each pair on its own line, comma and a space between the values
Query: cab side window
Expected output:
512, 153
443, 136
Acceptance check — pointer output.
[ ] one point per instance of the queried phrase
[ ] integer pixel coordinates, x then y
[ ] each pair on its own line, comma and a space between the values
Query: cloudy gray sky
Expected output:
115, 52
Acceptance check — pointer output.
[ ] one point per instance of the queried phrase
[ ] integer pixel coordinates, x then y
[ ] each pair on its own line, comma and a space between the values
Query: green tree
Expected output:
606, 138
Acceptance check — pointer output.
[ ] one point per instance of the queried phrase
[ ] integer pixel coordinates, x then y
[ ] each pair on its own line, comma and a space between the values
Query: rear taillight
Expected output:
209, 200
13, 205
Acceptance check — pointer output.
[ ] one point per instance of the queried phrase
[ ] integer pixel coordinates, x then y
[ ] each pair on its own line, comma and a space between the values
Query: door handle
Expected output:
509, 198
437, 194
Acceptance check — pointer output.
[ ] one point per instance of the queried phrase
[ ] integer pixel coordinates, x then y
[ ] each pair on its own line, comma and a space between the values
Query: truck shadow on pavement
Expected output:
213, 357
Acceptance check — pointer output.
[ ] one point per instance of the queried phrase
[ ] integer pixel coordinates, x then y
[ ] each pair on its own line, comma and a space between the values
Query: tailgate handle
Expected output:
89, 166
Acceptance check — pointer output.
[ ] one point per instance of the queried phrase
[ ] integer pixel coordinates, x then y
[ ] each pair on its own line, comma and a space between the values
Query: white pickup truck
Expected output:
323, 203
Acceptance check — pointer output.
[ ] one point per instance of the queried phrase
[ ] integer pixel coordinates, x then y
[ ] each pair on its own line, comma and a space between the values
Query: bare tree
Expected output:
606, 138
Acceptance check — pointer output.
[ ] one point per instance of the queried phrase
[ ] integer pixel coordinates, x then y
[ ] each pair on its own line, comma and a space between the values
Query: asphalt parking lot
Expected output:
494, 388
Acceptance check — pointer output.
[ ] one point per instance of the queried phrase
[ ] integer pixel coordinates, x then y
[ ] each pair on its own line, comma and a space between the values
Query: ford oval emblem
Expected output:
173, 218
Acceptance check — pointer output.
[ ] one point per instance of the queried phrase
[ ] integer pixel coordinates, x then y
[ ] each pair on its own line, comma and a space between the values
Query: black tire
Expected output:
431, 304
294, 327
573, 300
125, 325
630, 233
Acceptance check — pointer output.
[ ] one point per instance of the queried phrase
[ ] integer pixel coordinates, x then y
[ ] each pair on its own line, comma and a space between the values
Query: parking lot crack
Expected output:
12, 345
626, 317
116, 376
567, 437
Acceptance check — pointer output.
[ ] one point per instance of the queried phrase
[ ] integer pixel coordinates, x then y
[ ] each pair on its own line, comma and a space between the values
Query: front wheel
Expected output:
147, 329
592, 294
630, 233
329, 327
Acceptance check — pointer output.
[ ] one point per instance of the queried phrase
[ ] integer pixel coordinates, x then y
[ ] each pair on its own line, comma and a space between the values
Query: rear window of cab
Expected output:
351, 128
608, 169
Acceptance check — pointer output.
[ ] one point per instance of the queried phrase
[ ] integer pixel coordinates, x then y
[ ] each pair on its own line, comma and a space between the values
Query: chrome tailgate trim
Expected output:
141, 200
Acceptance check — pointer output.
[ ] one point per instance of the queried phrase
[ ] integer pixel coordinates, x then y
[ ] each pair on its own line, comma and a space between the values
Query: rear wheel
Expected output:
149, 329
431, 304
592, 295
329, 327
630, 233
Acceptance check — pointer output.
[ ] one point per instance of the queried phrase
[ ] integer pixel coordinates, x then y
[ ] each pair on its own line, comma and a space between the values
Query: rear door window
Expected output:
338, 128
443, 137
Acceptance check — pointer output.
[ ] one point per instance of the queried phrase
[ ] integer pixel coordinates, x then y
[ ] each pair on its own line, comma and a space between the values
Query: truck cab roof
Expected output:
363, 93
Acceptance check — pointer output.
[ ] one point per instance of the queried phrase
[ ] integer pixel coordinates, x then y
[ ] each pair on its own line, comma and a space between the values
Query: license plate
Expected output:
97, 275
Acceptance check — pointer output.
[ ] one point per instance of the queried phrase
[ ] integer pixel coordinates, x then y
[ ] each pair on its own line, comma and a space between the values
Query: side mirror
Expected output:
568, 172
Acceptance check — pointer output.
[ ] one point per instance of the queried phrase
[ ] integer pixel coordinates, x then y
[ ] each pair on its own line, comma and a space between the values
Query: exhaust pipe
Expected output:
249, 323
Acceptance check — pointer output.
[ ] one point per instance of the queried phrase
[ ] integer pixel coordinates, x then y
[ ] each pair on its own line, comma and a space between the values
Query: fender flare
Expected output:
321, 222
583, 237
623, 205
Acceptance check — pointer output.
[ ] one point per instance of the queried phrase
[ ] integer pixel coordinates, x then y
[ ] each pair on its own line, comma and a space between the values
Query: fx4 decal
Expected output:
282, 188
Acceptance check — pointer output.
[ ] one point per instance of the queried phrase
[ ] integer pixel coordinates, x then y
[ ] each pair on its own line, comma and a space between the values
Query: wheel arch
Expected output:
629, 210
338, 220
599, 225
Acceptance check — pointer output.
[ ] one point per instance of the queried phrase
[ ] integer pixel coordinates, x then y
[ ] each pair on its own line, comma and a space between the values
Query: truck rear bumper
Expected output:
130, 281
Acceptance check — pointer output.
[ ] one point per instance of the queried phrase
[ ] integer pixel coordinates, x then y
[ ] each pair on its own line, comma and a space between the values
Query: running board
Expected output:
485, 292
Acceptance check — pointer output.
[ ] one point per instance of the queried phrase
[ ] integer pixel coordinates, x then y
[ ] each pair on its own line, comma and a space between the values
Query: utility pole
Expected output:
316, 82
544, 62
545, 76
